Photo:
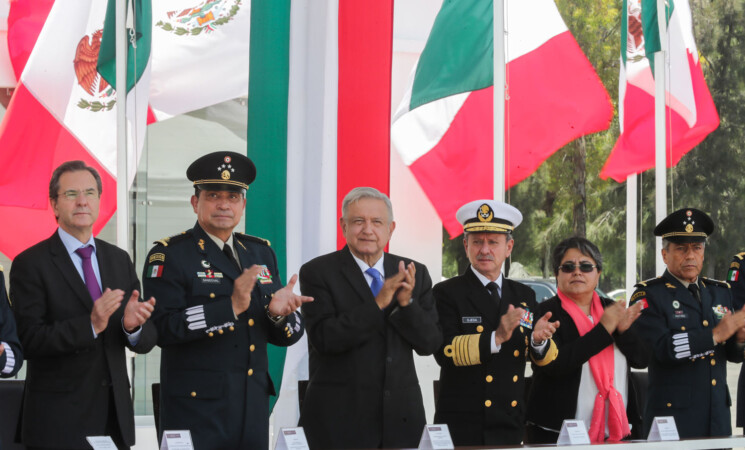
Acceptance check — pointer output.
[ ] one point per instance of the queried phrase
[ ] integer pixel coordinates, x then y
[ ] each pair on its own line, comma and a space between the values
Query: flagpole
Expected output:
122, 203
660, 132
631, 218
499, 83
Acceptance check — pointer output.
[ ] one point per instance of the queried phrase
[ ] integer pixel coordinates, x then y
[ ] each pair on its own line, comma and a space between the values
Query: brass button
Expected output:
713, 362
480, 328
522, 330
250, 372
713, 382
252, 347
514, 379
514, 403
212, 295
220, 331
487, 403
682, 328
232, 328
517, 353
250, 322
526, 340
193, 394
489, 378
211, 334
706, 323
669, 405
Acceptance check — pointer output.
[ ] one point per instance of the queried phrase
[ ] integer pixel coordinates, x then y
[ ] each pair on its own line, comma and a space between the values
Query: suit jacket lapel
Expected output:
481, 299
63, 263
353, 274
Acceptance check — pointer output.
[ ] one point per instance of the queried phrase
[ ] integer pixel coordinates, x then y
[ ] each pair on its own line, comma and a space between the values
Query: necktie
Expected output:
88, 274
377, 282
494, 291
693, 287
229, 253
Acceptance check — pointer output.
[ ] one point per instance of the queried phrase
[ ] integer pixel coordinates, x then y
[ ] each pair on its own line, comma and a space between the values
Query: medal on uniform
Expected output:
720, 311
527, 320
676, 304
264, 276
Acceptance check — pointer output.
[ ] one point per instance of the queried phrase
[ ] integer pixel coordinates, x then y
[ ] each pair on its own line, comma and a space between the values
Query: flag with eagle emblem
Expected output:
63, 109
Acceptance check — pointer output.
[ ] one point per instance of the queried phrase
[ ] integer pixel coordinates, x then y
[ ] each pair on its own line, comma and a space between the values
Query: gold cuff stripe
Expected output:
499, 227
551, 354
464, 350
234, 183
682, 233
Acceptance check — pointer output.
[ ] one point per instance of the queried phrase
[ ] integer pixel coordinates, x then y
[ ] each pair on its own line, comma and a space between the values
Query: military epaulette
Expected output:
249, 238
739, 256
712, 282
650, 282
172, 239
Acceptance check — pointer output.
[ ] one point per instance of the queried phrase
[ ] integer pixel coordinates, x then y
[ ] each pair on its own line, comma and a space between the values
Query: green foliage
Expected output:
708, 177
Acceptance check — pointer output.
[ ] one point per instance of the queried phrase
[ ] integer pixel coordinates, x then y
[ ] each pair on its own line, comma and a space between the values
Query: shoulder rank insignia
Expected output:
248, 237
173, 239
713, 282
649, 282
739, 256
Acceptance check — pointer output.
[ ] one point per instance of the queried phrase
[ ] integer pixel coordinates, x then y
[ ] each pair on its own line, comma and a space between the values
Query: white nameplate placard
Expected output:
435, 437
101, 442
176, 440
291, 439
663, 429
573, 432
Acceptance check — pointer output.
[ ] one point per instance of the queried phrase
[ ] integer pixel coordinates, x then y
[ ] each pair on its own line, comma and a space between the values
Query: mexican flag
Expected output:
690, 114
443, 128
63, 109
318, 125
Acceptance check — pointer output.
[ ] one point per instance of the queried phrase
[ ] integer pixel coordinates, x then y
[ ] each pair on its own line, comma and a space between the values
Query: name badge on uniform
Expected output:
527, 320
472, 319
720, 311
680, 314
264, 276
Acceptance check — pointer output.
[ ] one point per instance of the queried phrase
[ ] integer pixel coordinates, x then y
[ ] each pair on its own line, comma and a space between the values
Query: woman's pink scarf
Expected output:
602, 367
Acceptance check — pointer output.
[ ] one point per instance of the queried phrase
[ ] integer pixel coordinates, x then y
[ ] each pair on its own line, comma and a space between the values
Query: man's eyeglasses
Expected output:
72, 194
568, 267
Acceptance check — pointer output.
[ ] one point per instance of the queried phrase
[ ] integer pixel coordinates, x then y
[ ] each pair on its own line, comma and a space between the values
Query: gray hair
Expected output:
666, 243
72, 166
359, 193
584, 246
508, 236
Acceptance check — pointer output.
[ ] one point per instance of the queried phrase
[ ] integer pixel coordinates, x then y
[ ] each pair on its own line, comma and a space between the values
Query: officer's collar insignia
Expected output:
205, 264
485, 213
676, 304
720, 311
156, 257
241, 244
264, 276
524, 304
201, 244
670, 285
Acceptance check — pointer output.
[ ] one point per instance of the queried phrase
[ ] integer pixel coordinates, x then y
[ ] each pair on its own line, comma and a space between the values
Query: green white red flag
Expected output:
443, 128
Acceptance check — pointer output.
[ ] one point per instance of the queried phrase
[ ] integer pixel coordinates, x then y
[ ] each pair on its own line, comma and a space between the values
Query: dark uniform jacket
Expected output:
736, 278
482, 395
363, 390
213, 373
553, 394
71, 376
687, 373
8, 335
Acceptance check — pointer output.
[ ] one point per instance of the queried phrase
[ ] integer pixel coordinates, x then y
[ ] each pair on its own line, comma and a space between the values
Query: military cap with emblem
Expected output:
488, 216
228, 171
684, 226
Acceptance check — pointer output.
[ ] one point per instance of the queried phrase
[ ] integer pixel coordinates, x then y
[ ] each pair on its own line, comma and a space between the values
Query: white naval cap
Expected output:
488, 216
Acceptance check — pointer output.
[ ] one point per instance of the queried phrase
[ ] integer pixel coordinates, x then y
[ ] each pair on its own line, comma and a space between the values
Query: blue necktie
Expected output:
377, 282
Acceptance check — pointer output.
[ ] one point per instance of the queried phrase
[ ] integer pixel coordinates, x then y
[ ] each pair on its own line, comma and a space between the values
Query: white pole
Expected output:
499, 83
660, 172
631, 217
122, 185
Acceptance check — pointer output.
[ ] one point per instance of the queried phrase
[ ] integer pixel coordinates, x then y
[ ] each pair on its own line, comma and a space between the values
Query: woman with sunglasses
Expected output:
589, 380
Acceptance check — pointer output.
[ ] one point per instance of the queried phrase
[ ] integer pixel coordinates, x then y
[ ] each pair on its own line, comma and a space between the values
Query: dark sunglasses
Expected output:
568, 267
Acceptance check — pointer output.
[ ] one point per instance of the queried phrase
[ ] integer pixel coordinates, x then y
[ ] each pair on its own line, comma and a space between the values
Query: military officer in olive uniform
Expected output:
490, 329
691, 330
220, 301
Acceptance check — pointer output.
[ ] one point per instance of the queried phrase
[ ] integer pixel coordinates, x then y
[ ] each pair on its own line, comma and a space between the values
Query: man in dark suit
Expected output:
11, 354
490, 329
220, 301
691, 329
77, 305
371, 310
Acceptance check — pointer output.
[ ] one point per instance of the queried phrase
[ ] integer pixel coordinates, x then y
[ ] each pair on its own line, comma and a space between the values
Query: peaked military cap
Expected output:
228, 171
685, 225
488, 216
